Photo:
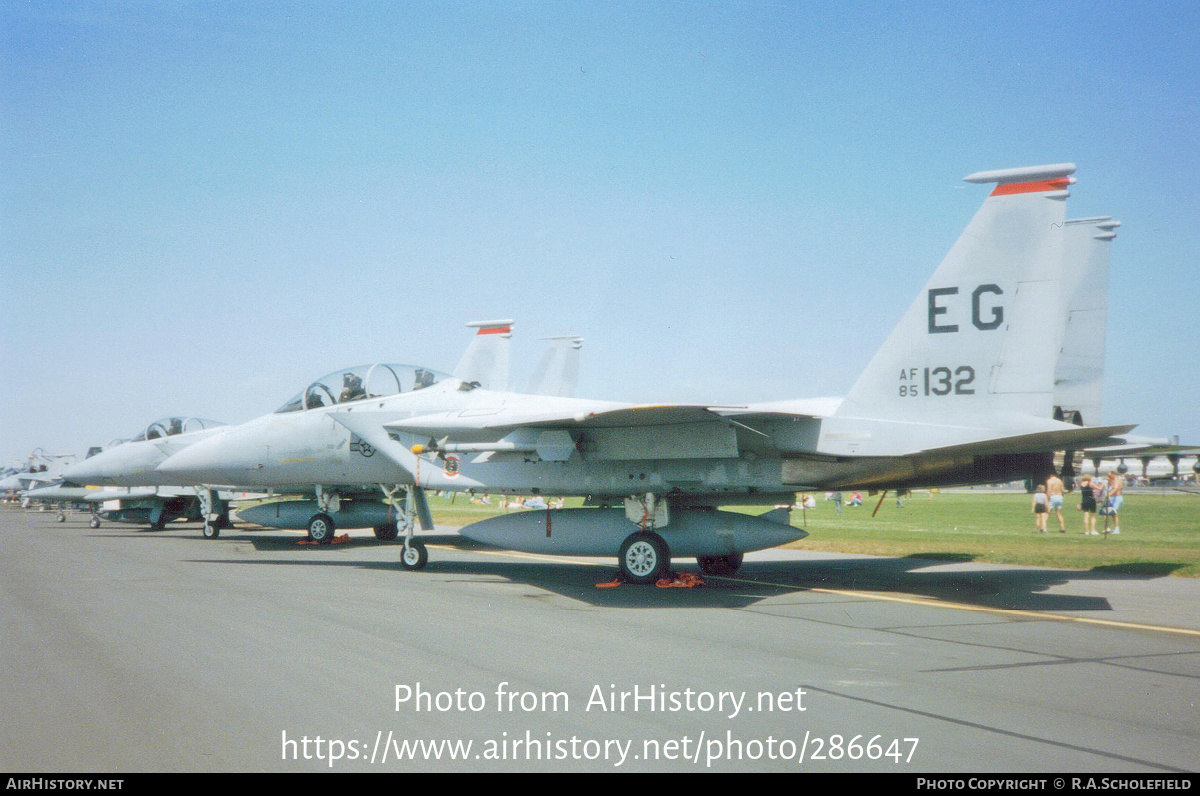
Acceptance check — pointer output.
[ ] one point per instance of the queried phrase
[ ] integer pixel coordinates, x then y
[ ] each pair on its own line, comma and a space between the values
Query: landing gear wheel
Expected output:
644, 557
211, 530
414, 555
95, 523
720, 565
62, 517
320, 529
386, 533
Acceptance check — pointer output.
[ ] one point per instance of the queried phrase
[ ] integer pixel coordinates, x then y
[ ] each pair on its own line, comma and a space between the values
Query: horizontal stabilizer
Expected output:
1064, 439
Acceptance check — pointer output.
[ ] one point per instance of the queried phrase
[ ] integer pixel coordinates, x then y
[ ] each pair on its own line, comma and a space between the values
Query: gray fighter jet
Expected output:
962, 392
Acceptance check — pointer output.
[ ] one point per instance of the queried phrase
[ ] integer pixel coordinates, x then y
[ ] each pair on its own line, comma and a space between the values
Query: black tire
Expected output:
644, 557
414, 556
94, 523
720, 565
211, 530
386, 533
62, 517
321, 529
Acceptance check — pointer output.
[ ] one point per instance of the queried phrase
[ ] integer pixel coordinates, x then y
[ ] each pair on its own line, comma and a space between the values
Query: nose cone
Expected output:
131, 464
206, 462
90, 472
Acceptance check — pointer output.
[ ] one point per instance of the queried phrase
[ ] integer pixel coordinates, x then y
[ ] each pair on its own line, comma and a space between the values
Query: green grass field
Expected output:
1160, 533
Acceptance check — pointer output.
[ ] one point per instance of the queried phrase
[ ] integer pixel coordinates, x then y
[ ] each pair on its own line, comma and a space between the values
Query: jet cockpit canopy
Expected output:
170, 426
361, 382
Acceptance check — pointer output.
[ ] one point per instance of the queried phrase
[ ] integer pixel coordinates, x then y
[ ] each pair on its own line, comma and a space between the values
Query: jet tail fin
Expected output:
486, 358
558, 371
1079, 377
983, 335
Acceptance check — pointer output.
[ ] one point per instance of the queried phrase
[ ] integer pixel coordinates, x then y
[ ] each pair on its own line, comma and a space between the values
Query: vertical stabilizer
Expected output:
1079, 377
984, 333
558, 371
486, 358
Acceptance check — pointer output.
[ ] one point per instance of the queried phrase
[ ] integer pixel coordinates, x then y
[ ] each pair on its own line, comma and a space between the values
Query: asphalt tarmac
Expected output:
126, 650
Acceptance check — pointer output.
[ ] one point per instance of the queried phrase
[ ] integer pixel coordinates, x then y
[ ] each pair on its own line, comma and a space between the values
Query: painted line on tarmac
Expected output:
1013, 612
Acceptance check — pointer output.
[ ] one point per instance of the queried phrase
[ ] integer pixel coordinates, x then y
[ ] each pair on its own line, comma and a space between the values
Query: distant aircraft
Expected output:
152, 505
55, 494
39, 470
127, 467
1142, 458
962, 392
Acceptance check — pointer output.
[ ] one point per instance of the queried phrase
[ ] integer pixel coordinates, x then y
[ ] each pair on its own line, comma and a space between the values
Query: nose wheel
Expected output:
414, 555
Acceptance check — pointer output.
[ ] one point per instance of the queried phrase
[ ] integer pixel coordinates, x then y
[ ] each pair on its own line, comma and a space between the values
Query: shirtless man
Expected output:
1054, 490
1116, 485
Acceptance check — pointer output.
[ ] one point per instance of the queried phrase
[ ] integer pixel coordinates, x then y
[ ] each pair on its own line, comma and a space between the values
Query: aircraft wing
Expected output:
604, 431
608, 431
453, 423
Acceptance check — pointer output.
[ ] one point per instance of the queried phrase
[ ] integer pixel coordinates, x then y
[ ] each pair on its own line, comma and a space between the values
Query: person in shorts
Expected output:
1039, 509
1116, 488
1054, 491
1087, 504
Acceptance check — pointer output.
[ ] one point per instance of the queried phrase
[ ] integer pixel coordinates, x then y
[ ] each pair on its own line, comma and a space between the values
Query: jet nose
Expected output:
87, 472
196, 464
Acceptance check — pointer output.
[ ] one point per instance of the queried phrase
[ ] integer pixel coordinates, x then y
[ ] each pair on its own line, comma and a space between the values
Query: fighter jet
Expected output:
303, 451
142, 497
41, 469
961, 392
300, 448
57, 495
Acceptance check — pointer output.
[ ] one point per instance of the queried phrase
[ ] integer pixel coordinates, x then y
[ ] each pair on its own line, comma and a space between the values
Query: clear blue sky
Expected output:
208, 205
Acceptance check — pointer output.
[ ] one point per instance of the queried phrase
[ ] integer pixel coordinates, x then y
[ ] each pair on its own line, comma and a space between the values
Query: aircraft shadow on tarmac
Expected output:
918, 574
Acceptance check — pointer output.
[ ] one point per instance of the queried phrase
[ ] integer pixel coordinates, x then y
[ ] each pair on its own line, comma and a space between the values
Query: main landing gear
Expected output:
321, 529
644, 557
320, 526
